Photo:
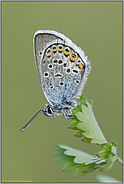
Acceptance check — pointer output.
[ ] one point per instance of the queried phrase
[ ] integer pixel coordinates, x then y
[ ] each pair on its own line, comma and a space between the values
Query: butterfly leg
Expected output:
68, 114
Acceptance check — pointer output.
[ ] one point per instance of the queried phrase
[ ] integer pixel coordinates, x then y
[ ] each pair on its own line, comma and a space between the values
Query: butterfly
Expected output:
62, 68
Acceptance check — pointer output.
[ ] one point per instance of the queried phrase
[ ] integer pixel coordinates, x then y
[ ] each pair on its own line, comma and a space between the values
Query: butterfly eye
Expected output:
50, 111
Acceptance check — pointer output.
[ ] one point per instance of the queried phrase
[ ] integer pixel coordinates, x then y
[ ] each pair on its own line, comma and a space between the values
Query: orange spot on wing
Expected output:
48, 54
72, 58
54, 50
60, 50
79, 65
66, 53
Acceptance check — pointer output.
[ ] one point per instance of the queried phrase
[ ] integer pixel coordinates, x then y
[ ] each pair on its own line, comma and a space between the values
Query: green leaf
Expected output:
85, 121
114, 148
89, 124
103, 154
89, 167
106, 146
87, 127
91, 102
80, 156
70, 167
108, 152
85, 139
79, 172
74, 124
82, 99
107, 149
60, 149
114, 144
82, 162
63, 158
110, 161
77, 109
79, 133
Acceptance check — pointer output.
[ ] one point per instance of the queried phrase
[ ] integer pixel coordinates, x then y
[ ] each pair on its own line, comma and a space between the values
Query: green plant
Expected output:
86, 126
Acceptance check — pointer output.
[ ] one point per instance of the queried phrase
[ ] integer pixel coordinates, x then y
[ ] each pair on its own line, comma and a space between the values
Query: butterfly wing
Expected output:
62, 66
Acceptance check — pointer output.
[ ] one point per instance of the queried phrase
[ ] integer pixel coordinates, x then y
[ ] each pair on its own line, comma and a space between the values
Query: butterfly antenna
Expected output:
24, 127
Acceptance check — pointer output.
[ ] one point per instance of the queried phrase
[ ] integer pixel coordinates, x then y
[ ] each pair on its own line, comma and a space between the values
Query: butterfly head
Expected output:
48, 111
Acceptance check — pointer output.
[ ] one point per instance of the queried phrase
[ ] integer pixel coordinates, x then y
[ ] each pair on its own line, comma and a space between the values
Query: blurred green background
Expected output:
96, 27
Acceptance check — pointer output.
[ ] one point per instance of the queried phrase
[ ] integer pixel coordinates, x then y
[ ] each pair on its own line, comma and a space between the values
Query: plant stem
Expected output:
119, 160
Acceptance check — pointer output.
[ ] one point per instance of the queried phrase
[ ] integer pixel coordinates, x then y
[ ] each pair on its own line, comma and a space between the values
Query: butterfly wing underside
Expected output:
61, 69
